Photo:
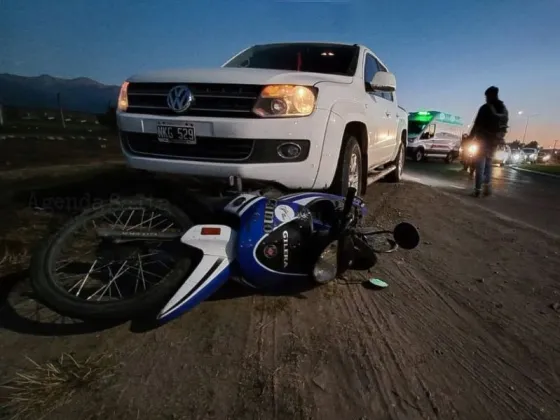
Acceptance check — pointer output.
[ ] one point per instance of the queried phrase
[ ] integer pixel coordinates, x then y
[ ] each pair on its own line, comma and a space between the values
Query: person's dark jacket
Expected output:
490, 124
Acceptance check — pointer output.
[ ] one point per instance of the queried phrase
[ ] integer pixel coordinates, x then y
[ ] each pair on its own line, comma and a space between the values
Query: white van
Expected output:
502, 156
434, 134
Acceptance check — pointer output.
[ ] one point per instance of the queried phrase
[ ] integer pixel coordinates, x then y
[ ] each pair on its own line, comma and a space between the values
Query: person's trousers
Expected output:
483, 174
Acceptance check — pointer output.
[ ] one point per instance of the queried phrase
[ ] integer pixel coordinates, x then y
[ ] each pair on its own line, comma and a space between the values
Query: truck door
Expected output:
375, 114
389, 138
444, 141
427, 138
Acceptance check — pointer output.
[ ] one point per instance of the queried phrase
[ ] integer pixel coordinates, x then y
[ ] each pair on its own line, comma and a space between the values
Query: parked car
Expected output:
302, 115
544, 156
530, 155
502, 155
517, 156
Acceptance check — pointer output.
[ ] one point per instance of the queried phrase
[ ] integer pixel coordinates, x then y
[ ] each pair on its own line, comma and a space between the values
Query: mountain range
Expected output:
81, 94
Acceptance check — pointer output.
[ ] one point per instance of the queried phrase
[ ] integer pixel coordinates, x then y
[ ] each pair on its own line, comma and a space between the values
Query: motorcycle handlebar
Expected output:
350, 195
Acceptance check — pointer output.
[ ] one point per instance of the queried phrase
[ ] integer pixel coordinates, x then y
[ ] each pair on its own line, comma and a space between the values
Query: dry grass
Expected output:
12, 260
41, 389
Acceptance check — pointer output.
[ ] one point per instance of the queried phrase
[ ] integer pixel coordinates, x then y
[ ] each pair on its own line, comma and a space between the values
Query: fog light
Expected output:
289, 150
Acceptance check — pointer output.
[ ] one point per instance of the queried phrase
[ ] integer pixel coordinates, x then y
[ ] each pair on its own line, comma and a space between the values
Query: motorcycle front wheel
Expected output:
81, 274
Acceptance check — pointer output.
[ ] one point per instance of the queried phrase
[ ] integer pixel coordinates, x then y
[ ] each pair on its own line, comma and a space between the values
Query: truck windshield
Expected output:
416, 127
314, 58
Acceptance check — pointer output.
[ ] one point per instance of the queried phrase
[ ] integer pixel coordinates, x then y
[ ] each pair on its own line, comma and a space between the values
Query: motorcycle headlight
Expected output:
286, 101
473, 148
325, 268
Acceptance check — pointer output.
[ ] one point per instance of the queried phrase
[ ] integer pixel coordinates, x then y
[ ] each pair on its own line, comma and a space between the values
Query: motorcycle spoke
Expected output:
85, 279
171, 225
70, 261
104, 289
157, 276
141, 273
128, 220
95, 269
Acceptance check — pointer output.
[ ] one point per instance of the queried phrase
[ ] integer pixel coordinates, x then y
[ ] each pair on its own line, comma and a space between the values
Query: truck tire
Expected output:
419, 155
349, 166
396, 175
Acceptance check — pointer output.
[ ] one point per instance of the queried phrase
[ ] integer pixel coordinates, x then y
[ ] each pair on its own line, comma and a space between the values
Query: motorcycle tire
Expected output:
52, 295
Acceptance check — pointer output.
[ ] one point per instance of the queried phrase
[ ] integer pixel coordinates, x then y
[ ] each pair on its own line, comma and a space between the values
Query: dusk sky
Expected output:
444, 53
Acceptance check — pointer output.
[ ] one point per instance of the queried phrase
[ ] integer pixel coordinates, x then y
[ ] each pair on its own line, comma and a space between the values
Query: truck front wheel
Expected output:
349, 172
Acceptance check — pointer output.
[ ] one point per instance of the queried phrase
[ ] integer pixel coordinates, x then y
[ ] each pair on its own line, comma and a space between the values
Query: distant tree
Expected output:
109, 118
516, 144
533, 145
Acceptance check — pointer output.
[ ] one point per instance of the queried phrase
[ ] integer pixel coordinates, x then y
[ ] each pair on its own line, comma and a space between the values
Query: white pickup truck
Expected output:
303, 115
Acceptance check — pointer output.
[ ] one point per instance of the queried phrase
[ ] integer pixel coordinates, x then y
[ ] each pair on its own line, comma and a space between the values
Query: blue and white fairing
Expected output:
273, 234
267, 248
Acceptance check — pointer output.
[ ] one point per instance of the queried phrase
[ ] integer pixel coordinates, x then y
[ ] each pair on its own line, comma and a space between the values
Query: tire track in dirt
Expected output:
385, 377
372, 379
458, 325
446, 345
485, 367
295, 355
398, 340
270, 386
333, 371
252, 380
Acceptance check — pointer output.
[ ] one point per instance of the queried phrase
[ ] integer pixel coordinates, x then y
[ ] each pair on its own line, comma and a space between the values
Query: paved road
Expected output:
529, 198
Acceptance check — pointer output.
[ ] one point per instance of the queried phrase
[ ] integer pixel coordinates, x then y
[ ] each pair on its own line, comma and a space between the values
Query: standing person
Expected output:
489, 128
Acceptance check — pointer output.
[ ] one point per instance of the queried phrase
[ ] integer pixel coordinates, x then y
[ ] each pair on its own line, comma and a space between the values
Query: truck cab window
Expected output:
369, 71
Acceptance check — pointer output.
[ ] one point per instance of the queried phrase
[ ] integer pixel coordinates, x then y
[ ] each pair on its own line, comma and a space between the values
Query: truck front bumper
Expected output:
229, 146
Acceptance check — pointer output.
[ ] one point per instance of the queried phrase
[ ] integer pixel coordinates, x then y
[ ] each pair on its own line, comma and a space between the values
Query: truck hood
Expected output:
242, 76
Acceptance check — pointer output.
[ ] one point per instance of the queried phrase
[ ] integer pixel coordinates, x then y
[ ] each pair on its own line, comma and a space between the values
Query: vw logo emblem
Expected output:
180, 98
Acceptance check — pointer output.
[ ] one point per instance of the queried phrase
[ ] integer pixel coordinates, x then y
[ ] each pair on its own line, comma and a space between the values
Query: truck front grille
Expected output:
207, 148
211, 100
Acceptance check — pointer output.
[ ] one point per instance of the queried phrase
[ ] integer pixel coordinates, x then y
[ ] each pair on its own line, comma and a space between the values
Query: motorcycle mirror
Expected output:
406, 235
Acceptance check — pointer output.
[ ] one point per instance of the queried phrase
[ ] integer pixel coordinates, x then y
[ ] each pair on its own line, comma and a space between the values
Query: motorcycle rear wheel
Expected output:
45, 277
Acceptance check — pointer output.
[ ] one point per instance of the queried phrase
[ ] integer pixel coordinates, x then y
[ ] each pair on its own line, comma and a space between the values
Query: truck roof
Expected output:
313, 42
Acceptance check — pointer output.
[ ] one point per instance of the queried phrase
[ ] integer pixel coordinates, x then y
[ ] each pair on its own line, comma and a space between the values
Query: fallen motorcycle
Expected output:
149, 256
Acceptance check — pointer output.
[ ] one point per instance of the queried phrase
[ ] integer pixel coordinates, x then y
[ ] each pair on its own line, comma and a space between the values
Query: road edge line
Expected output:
535, 172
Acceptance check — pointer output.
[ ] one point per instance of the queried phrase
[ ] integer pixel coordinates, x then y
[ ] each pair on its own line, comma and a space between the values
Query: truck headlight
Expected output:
122, 103
286, 101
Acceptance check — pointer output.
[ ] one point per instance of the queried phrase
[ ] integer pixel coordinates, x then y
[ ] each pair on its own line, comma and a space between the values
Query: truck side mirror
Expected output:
384, 81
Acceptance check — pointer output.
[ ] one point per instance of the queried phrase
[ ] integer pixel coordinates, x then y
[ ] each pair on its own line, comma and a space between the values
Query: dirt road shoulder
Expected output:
468, 329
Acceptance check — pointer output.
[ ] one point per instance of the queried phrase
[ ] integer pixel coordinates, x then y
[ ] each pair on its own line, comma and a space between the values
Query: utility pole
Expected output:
60, 108
525, 132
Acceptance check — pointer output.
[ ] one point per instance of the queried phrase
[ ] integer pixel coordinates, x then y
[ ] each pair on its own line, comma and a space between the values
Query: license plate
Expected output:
176, 133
